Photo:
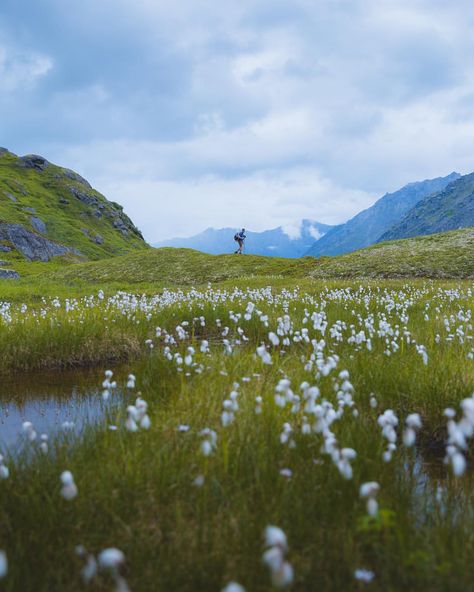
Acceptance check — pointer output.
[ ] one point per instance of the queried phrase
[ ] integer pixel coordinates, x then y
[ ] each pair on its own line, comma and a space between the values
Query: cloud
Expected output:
19, 71
200, 113
258, 200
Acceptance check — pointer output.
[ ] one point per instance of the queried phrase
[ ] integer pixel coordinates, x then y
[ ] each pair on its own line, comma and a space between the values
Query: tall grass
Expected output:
137, 490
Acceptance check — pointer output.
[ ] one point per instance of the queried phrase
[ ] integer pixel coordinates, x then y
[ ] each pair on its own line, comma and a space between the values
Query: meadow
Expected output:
311, 435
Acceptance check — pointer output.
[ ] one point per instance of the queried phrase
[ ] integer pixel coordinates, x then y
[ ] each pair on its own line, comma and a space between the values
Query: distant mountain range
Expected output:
449, 209
423, 207
368, 226
275, 242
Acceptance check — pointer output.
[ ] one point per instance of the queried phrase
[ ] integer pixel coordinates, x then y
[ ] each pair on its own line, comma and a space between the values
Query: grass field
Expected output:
268, 406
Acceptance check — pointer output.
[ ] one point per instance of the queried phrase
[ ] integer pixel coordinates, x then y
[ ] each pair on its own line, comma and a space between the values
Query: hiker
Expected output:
240, 238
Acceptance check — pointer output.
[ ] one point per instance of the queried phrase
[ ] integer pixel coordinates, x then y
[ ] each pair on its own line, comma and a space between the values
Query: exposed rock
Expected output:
38, 224
33, 161
85, 231
120, 225
5, 249
30, 210
32, 246
10, 196
3, 262
87, 198
98, 239
9, 274
63, 200
97, 213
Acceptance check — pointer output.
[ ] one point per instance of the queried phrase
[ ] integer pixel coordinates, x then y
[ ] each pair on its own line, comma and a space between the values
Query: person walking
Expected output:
240, 238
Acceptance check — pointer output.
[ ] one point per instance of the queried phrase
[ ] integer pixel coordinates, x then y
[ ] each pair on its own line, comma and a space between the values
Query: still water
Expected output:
53, 402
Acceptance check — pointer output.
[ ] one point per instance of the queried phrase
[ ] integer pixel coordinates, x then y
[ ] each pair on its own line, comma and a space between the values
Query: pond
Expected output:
53, 401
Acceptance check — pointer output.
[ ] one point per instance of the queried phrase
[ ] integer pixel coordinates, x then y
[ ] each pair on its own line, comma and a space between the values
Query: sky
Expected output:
253, 113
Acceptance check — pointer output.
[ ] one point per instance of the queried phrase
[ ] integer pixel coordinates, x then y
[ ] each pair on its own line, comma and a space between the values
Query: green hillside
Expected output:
449, 209
182, 267
443, 255
46, 210
449, 255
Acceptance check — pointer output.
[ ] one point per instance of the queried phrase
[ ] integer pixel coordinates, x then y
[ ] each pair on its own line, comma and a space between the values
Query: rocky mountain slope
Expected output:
48, 211
275, 242
450, 209
366, 227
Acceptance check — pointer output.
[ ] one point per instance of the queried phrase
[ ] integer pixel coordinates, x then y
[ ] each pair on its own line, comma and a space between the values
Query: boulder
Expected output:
33, 161
5, 249
38, 224
9, 274
98, 239
32, 246
87, 198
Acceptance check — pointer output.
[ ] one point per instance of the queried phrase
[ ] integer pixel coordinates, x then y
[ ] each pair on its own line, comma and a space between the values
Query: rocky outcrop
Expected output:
32, 246
33, 161
38, 225
9, 274
87, 198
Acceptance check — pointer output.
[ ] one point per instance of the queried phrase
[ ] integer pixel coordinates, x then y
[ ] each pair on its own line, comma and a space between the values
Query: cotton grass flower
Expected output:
233, 587
29, 430
369, 492
4, 470
413, 424
209, 442
111, 560
281, 572
364, 575
3, 564
69, 489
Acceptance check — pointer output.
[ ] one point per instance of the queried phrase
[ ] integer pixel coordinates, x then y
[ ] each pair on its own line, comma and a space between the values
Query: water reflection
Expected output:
51, 399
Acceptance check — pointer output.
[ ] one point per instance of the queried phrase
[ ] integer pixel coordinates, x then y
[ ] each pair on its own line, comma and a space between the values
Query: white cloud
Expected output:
256, 114
182, 205
21, 70
315, 233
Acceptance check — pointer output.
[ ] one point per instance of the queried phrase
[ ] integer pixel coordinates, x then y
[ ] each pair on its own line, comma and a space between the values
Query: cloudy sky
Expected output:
200, 113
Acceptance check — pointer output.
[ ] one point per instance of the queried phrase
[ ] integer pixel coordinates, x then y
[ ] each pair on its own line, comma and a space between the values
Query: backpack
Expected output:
236, 237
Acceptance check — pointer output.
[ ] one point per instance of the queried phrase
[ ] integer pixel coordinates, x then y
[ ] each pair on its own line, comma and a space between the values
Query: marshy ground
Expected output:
252, 406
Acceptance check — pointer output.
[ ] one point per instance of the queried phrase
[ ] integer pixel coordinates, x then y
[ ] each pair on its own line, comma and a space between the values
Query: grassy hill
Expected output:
46, 210
449, 209
183, 267
448, 255
443, 255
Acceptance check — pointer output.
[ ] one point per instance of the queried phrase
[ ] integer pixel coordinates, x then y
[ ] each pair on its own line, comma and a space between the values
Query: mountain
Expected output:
450, 209
47, 211
275, 242
366, 227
